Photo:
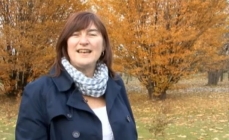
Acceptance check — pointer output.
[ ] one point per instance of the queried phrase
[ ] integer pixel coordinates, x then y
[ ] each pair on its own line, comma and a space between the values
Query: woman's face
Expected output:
85, 48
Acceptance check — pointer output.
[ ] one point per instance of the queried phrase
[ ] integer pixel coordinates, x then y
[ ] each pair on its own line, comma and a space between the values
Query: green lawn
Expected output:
8, 109
192, 111
203, 119
7, 130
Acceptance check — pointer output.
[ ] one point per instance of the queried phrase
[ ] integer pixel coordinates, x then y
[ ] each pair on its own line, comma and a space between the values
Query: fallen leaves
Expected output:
197, 111
8, 109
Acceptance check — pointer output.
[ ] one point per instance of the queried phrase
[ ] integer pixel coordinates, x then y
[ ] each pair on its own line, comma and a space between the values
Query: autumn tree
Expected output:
29, 30
161, 41
216, 72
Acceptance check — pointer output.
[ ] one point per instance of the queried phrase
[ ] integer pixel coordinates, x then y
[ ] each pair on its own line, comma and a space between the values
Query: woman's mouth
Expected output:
84, 51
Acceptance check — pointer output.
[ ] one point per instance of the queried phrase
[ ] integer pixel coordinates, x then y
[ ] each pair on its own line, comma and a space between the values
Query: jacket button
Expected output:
69, 116
128, 118
76, 134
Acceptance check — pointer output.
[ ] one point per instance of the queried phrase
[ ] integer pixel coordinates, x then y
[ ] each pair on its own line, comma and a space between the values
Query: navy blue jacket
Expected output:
52, 108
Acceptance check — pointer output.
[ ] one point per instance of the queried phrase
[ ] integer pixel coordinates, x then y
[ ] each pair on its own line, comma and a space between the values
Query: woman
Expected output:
83, 99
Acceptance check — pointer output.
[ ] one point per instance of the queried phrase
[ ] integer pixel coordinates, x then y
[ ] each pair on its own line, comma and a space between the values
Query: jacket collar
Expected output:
113, 89
76, 100
63, 82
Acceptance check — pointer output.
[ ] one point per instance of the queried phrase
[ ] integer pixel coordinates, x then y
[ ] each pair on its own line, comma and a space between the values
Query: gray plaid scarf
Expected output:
94, 86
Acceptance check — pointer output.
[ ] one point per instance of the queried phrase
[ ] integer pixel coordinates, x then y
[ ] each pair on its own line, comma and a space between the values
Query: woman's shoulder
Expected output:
39, 85
118, 78
41, 81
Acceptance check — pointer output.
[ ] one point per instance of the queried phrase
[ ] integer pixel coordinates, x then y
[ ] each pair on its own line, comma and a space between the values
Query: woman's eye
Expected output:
75, 34
92, 34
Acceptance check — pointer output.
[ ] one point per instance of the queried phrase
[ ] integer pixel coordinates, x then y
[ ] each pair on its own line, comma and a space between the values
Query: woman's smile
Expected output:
83, 51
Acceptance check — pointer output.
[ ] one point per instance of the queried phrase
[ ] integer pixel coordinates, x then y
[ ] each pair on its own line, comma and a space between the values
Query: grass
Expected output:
192, 111
8, 109
7, 131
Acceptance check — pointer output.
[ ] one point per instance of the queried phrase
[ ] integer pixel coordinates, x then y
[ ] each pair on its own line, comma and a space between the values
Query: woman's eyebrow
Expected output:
93, 30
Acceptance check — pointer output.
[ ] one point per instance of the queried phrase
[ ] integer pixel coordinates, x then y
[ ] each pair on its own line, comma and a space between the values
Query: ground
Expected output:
192, 111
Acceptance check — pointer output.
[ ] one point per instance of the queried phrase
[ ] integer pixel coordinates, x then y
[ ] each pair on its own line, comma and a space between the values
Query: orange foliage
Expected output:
29, 28
160, 41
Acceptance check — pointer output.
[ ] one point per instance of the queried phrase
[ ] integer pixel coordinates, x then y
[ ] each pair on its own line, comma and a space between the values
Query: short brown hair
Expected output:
76, 22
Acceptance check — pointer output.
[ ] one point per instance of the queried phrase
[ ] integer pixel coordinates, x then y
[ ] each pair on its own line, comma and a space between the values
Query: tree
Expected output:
29, 30
161, 41
216, 72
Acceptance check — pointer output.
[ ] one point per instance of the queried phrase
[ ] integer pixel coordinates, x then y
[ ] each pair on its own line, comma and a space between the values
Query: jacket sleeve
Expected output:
31, 123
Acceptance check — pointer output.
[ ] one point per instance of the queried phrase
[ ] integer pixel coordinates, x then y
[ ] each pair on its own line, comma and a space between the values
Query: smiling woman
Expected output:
85, 48
82, 97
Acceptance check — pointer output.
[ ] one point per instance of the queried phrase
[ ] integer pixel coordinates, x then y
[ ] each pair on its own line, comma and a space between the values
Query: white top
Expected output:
101, 113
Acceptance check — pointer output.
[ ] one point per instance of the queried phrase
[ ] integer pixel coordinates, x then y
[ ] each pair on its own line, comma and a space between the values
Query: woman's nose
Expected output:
83, 40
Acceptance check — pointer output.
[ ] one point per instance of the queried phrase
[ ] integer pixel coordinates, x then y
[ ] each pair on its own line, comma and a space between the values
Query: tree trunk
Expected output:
162, 96
221, 75
213, 77
150, 89
127, 78
152, 95
228, 75
21, 80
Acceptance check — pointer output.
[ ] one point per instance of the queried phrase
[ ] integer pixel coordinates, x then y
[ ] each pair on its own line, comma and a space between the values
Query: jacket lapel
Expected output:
112, 91
76, 100
64, 83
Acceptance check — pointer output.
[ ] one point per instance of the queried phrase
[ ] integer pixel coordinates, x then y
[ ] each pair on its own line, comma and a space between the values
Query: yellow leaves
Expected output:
169, 40
32, 30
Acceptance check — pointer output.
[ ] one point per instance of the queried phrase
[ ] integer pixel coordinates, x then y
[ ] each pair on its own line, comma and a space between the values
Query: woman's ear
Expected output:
103, 50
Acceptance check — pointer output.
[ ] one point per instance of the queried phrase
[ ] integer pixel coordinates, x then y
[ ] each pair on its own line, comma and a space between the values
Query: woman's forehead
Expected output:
89, 26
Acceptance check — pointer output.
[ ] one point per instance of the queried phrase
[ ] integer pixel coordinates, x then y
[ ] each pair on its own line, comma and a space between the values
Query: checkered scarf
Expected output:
94, 86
